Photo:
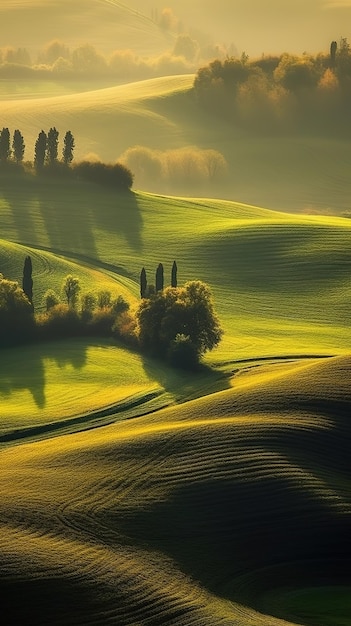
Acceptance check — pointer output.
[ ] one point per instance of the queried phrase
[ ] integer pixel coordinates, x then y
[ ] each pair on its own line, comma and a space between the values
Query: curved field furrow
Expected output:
177, 517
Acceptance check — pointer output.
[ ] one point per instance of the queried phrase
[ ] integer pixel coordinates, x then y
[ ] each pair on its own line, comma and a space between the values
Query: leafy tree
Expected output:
68, 147
104, 299
182, 353
88, 304
16, 313
18, 146
27, 281
71, 289
174, 274
40, 150
5, 149
186, 311
143, 283
52, 146
159, 277
51, 299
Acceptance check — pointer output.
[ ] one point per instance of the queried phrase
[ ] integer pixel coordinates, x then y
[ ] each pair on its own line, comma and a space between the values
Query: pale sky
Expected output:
258, 26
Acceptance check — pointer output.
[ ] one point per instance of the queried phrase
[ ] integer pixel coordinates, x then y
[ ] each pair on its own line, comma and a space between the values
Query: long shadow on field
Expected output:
185, 385
244, 500
23, 369
65, 215
24, 372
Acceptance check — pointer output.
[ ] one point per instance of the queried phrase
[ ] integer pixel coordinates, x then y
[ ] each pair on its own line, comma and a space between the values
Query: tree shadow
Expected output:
185, 385
23, 368
71, 212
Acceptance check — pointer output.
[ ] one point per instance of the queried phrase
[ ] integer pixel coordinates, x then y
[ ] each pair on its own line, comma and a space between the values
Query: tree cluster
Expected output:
182, 167
57, 59
178, 324
46, 159
280, 92
45, 150
146, 289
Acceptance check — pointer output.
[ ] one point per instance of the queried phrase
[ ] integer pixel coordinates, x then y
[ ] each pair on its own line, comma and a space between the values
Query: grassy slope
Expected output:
105, 24
196, 514
281, 282
298, 173
191, 516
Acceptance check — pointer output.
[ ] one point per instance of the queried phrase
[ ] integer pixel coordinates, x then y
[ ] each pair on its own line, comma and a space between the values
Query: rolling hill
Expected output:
231, 509
297, 173
106, 24
133, 494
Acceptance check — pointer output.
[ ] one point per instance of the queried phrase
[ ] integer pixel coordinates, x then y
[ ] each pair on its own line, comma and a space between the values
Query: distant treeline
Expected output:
280, 92
46, 159
57, 59
183, 167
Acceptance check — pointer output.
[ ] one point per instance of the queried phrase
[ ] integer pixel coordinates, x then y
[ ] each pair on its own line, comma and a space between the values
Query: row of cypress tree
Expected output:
45, 150
146, 290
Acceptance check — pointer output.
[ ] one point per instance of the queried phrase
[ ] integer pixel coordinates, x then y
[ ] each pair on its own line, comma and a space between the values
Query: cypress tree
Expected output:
68, 147
143, 283
40, 150
18, 146
174, 275
5, 149
27, 281
159, 277
52, 146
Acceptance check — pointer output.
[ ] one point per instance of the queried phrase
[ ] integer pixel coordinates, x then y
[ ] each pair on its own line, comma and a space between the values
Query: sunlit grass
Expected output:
50, 382
169, 511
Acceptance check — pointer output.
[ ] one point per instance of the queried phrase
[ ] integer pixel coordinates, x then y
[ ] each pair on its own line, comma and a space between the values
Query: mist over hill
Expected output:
104, 24
260, 27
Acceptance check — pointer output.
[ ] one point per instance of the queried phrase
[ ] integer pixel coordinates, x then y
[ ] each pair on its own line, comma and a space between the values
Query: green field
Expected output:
174, 496
131, 493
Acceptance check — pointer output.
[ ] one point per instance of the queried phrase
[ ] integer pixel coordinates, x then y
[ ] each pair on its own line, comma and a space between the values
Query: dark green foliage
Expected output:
5, 150
27, 281
71, 289
174, 275
18, 146
102, 322
119, 305
159, 277
52, 146
143, 283
108, 174
68, 148
182, 353
40, 150
186, 311
51, 299
104, 299
16, 314
59, 321
88, 305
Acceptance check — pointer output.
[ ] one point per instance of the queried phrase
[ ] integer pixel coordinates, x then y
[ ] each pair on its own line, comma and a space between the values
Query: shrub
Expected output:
113, 175
16, 314
51, 299
59, 321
